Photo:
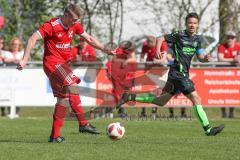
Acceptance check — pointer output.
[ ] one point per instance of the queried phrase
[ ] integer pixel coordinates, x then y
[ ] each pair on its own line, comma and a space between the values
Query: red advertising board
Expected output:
217, 87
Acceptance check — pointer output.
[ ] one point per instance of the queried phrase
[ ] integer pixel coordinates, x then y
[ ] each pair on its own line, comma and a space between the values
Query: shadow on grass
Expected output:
46, 142
22, 141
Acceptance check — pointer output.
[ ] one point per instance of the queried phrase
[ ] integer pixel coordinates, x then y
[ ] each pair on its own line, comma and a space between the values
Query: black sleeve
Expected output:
200, 42
171, 38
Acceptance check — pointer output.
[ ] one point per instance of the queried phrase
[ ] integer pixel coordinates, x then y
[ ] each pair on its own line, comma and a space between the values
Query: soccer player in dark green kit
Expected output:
186, 44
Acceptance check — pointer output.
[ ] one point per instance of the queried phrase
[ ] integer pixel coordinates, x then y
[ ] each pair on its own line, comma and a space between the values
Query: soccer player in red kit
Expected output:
121, 70
57, 35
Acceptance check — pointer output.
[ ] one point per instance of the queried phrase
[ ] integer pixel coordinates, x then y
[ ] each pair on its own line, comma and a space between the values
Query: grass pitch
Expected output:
26, 139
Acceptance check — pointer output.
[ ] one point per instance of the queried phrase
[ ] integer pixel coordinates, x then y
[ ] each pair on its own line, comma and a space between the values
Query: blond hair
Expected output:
12, 41
73, 9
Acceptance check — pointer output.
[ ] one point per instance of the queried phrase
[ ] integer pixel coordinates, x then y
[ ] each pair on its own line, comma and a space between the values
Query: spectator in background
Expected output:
149, 49
16, 51
228, 52
84, 52
14, 55
2, 53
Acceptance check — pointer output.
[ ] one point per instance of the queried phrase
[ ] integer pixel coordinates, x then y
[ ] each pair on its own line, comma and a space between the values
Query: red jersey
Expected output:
58, 40
228, 52
151, 51
87, 54
119, 54
119, 72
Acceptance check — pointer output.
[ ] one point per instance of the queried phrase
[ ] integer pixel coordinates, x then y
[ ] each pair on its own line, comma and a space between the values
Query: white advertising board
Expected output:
30, 87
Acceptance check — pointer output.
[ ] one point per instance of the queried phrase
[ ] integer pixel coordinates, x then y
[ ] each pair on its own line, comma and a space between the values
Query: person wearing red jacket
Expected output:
228, 52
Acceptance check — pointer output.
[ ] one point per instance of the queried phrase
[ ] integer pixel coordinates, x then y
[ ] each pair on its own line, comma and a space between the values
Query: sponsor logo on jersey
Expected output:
189, 51
63, 46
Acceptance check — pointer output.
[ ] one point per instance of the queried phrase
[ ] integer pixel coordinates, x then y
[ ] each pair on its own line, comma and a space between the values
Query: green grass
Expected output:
26, 139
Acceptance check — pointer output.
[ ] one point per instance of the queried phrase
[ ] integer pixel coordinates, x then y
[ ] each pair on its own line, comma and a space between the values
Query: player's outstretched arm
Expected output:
162, 60
158, 47
31, 43
95, 43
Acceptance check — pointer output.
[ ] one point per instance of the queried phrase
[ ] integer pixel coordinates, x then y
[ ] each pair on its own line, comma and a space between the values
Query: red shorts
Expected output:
60, 75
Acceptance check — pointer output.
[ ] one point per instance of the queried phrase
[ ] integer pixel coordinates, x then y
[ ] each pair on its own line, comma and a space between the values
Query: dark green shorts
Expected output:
179, 85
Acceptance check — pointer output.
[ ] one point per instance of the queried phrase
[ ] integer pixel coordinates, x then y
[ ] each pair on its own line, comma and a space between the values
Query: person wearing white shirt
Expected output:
2, 53
12, 57
15, 53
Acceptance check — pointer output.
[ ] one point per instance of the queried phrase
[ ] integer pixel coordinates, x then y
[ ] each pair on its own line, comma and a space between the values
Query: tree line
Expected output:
105, 18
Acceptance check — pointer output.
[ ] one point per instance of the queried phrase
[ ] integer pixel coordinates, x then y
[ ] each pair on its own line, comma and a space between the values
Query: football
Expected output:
115, 131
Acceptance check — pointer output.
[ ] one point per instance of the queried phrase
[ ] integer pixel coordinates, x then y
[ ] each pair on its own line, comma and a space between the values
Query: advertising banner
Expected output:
217, 87
31, 87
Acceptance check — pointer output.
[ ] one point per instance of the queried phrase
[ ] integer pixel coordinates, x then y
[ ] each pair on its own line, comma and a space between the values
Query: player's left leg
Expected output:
201, 115
145, 98
73, 92
167, 93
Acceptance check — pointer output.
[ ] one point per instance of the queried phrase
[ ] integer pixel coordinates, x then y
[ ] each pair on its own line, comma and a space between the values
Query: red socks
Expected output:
60, 114
58, 120
77, 108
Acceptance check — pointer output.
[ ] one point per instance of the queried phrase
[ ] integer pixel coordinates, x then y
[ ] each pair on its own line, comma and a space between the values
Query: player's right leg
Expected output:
60, 109
58, 120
